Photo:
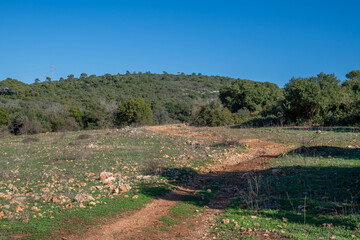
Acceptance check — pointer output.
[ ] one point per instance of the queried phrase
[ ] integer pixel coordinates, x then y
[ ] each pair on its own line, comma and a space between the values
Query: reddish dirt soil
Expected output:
141, 224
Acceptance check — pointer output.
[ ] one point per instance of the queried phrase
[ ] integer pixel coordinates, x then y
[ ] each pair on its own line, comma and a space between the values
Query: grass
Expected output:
59, 166
312, 192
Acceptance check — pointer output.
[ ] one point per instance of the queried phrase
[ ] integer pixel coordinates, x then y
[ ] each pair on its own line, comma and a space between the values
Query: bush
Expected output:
213, 115
4, 116
31, 140
83, 137
134, 111
23, 125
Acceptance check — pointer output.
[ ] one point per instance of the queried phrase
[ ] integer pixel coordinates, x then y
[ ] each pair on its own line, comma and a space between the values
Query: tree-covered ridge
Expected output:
104, 101
92, 101
152, 87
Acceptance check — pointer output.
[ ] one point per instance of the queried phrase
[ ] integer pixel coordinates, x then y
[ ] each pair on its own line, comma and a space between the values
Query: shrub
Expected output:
4, 116
83, 137
31, 140
23, 125
134, 111
212, 115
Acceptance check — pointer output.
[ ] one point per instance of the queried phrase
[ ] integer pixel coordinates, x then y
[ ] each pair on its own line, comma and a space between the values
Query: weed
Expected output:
31, 140
83, 137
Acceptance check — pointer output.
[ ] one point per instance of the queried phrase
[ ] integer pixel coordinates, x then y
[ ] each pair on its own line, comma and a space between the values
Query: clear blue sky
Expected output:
258, 40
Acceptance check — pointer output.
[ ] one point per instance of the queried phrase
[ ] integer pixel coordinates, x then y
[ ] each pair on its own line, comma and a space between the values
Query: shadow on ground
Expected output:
331, 191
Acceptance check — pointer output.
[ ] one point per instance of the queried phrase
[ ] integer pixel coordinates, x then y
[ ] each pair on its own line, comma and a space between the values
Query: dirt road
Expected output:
133, 225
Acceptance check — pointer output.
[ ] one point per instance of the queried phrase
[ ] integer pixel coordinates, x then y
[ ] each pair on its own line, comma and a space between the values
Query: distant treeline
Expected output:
91, 102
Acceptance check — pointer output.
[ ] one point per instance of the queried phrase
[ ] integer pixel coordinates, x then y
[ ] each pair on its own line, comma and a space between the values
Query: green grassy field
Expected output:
41, 175
311, 192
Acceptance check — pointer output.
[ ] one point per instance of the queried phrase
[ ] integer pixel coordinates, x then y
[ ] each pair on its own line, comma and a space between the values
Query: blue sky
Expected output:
258, 40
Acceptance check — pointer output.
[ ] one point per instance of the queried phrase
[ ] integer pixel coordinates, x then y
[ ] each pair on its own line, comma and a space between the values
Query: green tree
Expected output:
312, 99
134, 111
244, 94
83, 75
354, 74
4, 116
213, 114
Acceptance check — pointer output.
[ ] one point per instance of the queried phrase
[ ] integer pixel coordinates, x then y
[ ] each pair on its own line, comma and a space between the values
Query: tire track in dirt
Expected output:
197, 227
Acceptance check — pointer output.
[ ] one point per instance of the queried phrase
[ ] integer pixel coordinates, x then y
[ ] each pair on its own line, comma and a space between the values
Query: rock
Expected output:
135, 197
83, 197
108, 181
91, 146
18, 200
225, 221
106, 178
5, 196
12, 187
69, 206
20, 208
141, 177
120, 188
36, 209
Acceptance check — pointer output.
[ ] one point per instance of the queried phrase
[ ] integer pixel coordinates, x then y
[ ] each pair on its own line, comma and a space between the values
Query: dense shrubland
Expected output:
92, 102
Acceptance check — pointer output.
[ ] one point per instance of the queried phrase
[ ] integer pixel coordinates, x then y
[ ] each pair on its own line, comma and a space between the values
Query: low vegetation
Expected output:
109, 101
55, 185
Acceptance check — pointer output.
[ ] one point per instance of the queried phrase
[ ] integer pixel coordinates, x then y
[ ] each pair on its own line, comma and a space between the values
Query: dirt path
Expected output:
199, 226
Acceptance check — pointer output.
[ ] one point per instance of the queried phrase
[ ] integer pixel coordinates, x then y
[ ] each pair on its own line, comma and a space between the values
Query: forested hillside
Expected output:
92, 102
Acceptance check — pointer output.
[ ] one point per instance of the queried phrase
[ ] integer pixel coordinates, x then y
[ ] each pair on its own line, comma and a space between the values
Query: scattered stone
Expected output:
18, 200
5, 196
12, 187
106, 178
36, 209
225, 221
20, 208
92, 146
69, 206
120, 188
141, 177
83, 197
